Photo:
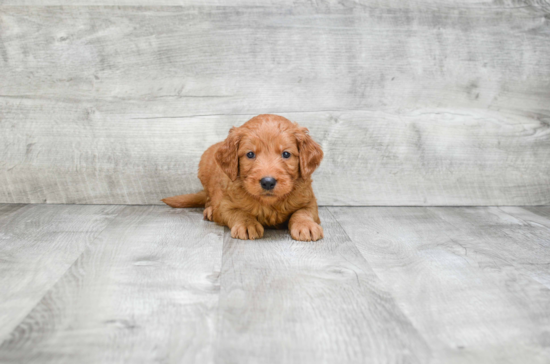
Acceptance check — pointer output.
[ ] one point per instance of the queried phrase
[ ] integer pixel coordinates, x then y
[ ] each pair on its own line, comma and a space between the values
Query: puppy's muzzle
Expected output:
268, 183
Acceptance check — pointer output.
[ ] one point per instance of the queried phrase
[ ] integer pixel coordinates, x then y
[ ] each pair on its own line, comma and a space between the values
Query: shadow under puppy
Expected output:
260, 176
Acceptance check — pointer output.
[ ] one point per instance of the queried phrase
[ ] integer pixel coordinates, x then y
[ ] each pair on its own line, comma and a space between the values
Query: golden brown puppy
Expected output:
260, 176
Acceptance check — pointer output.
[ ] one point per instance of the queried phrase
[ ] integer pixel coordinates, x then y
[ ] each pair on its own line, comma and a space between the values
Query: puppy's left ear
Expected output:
226, 155
311, 153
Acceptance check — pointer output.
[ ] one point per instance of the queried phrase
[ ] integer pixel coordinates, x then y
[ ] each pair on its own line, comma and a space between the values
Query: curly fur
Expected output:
232, 194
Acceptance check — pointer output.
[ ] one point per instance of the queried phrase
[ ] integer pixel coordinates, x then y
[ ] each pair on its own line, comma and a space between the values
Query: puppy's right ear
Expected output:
226, 155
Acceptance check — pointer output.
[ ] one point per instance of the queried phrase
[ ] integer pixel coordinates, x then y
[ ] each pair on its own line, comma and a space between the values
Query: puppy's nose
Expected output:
268, 183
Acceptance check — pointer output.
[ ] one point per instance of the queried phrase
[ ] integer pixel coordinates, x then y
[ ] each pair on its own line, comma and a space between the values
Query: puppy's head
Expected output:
269, 154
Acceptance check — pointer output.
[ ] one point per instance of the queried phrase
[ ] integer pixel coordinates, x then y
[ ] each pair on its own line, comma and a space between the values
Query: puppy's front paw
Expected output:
247, 230
306, 231
207, 213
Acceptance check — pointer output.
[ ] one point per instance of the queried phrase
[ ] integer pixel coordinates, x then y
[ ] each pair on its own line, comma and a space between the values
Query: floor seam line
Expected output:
218, 311
8, 335
397, 306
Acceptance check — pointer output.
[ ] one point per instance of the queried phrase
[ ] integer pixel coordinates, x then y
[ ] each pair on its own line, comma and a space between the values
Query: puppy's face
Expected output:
268, 163
268, 154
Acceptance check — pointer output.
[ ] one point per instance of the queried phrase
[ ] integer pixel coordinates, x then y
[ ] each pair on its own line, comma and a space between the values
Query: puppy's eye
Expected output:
250, 155
286, 155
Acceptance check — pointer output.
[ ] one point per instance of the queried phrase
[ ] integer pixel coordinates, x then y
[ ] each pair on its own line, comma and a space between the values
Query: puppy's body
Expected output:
232, 173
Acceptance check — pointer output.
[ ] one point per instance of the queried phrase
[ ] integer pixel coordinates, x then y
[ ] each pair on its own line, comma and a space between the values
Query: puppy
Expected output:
260, 176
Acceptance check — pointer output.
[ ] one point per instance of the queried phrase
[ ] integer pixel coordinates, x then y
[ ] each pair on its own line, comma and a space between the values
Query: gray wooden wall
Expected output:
414, 102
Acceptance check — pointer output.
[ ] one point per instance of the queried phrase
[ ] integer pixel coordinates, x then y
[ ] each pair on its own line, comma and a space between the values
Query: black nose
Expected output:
268, 183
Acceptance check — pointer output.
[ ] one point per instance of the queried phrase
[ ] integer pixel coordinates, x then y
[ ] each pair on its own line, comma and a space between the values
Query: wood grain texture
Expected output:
234, 3
394, 285
145, 291
372, 158
8, 209
38, 244
465, 4
539, 210
510, 234
414, 102
462, 280
530, 215
284, 301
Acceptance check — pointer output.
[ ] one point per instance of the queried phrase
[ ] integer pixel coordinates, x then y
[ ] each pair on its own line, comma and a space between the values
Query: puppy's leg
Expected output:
243, 225
207, 213
304, 224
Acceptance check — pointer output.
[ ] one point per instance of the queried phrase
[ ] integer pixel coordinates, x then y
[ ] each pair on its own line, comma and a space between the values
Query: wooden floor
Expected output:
150, 284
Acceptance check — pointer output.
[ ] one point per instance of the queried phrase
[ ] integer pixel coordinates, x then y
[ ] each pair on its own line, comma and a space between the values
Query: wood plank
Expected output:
431, 103
234, 3
430, 157
8, 209
228, 60
457, 280
284, 301
543, 211
512, 235
38, 243
536, 216
145, 291
400, 4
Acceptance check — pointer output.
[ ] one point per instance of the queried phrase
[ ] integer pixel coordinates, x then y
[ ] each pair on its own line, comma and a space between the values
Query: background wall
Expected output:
414, 102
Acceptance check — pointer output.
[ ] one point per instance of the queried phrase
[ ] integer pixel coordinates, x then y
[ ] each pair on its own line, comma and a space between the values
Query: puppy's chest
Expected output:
270, 216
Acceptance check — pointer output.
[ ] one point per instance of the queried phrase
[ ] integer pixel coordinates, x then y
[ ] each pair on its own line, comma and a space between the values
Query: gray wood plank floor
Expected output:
149, 284
38, 243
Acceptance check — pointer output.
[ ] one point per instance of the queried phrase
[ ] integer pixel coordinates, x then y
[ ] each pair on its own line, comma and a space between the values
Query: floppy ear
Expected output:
226, 155
311, 153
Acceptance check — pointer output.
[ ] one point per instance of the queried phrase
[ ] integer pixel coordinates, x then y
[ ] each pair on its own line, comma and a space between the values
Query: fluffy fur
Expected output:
232, 193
